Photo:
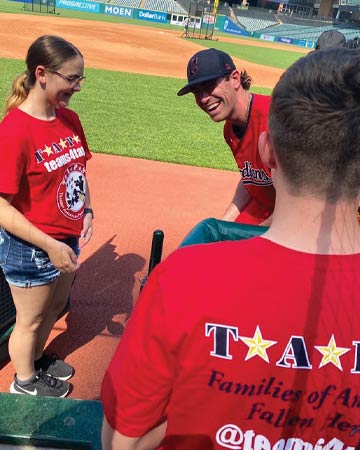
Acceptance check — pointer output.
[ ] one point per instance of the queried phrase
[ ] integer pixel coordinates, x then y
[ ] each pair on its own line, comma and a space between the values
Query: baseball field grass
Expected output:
260, 55
141, 116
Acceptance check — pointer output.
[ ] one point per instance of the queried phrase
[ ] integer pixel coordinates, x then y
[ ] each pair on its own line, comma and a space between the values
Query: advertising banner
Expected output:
113, 10
209, 19
304, 43
231, 27
152, 16
267, 37
79, 5
285, 40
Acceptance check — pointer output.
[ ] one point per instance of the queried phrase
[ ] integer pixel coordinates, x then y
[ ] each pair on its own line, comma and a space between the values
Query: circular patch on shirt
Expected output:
72, 191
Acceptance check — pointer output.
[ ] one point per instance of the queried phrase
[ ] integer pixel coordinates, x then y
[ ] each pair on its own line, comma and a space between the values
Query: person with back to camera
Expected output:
44, 207
329, 39
255, 344
222, 92
334, 38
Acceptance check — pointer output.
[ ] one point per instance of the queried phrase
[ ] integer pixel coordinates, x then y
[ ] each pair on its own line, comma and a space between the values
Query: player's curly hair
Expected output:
49, 51
314, 124
245, 80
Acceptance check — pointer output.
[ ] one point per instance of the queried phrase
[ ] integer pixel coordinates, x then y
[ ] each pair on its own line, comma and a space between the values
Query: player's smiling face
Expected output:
62, 84
216, 97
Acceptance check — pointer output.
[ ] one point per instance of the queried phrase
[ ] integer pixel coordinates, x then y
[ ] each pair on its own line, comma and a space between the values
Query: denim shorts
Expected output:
25, 265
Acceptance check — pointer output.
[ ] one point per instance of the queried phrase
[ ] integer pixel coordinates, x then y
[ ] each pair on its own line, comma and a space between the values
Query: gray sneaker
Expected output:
44, 385
52, 365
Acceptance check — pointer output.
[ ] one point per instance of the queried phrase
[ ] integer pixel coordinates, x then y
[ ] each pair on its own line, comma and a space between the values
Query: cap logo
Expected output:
227, 66
194, 66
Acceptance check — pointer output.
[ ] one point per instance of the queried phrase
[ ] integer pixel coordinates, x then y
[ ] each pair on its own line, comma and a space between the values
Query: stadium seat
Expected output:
214, 230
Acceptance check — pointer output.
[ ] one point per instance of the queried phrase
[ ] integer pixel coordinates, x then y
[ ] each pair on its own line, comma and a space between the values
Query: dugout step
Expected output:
61, 423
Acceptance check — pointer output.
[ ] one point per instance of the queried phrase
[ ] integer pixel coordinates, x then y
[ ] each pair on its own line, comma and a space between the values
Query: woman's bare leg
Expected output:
31, 308
54, 308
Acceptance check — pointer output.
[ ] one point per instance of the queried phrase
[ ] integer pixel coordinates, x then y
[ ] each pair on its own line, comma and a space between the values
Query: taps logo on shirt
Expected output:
231, 436
295, 355
72, 191
58, 154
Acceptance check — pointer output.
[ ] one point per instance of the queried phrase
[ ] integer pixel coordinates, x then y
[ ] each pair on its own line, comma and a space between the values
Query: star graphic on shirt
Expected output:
76, 139
48, 150
331, 353
62, 143
257, 345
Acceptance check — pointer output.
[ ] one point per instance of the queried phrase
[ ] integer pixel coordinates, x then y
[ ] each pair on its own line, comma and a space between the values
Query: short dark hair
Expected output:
314, 123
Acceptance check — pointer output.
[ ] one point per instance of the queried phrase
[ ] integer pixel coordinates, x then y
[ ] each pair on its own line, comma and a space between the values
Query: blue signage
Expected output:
113, 10
232, 27
153, 16
302, 43
79, 5
267, 37
285, 40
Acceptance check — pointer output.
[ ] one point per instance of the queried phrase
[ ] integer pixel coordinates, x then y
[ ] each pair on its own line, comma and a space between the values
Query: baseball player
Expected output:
222, 92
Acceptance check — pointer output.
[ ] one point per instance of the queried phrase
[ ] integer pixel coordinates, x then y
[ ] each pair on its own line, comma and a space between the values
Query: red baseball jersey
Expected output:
255, 175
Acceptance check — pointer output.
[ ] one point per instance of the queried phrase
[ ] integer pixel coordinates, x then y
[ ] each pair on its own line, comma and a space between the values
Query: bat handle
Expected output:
156, 249
155, 254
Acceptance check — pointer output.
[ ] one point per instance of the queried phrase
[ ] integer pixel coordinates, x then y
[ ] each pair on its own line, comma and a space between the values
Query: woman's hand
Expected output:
87, 230
62, 256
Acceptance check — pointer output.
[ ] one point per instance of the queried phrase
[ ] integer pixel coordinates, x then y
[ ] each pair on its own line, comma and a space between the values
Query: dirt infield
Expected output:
122, 47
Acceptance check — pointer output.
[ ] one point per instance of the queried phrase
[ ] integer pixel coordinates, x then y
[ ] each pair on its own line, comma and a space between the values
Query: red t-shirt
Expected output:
43, 164
255, 175
242, 345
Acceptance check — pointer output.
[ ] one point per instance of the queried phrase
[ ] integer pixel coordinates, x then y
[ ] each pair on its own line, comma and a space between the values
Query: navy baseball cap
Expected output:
207, 65
330, 38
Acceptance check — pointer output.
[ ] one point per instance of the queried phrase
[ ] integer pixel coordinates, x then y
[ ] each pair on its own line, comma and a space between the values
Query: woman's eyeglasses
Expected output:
72, 80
